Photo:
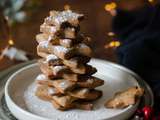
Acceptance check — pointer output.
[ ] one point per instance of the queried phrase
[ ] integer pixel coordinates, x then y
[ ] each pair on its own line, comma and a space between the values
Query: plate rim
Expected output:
137, 77
7, 97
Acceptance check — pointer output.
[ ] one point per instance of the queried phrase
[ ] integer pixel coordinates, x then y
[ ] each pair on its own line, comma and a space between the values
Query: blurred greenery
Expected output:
16, 10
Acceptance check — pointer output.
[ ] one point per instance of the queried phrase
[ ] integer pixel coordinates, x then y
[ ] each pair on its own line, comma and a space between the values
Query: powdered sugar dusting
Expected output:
51, 57
46, 109
90, 81
49, 38
64, 16
48, 18
57, 69
84, 90
44, 44
84, 49
66, 41
41, 77
82, 45
64, 84
51, 91
53, 29
60, 49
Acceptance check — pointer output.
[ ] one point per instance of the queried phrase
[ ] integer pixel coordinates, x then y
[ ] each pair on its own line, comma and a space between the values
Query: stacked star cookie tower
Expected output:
66, 80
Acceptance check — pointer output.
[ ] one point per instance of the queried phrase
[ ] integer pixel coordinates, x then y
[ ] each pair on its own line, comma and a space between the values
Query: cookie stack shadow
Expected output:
66, 80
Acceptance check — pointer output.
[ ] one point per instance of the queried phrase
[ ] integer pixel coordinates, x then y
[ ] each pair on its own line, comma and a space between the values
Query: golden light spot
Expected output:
10, 42
111, 34
67, 7
110, 6
151, 1
113, 44
117, 43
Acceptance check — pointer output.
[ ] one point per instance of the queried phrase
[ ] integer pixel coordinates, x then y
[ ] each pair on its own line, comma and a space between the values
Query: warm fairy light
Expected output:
67, 7
110, 6
10, 42
117, 43
113, 44
151, 1
111, 34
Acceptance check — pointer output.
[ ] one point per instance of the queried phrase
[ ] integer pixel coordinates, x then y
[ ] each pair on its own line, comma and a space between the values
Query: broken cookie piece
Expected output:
125, 98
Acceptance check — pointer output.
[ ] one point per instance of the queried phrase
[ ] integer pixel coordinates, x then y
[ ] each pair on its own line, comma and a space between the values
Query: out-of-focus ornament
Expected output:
13, 9
148, 113
14, 54
18, 10
138, 115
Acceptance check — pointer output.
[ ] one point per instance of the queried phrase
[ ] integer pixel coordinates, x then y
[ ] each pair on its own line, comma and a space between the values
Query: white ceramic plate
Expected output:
21, 101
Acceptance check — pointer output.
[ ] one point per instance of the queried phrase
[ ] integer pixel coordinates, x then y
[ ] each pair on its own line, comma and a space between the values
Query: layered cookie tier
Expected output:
66, 80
